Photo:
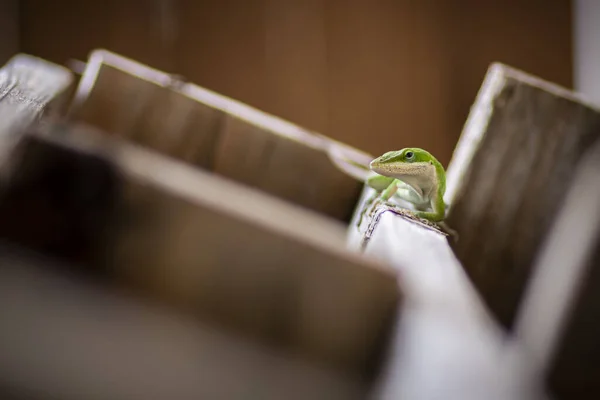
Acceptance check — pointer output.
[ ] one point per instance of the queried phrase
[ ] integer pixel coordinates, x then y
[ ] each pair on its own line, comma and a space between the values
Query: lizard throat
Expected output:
421, 176
404, 170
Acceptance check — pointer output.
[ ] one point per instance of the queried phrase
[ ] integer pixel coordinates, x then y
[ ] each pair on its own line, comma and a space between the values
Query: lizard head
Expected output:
415, 167
399, 161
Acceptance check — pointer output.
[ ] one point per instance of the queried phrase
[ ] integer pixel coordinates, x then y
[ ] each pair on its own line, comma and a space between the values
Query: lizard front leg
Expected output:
438, 212
369, 201
407, 193
379, 183
385, 196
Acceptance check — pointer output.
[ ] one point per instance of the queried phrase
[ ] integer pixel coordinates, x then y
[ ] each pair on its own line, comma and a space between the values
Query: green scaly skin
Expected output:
411, 174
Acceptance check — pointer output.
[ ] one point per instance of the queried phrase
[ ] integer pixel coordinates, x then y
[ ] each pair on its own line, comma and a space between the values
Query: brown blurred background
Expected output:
376, 74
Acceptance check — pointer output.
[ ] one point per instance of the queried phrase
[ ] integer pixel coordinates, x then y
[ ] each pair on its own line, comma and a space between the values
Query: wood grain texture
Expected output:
147, 112
237, 257
508, 176
216, 133
30, 86
558, 322
288, 169
68, 337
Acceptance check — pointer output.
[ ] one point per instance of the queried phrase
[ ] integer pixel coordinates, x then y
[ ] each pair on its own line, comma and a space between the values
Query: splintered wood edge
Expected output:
399, 212
495, 81
27, 85
183, 181
53, 76
237, 109
30, 83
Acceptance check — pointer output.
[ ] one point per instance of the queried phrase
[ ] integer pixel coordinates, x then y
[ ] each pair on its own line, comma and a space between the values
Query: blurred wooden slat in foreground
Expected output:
231, 254
208, 130
70, 339
151, 225
510, 170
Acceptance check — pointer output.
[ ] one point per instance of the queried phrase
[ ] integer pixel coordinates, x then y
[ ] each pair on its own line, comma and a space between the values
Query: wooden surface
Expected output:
508, 175
39, 84
216, 133
73, 339
28, 87
232, 255
558, 323
446, 344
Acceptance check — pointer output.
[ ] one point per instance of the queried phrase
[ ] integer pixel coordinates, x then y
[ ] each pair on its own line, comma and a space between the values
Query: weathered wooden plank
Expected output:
147, 111
28, 87
233, 255
508, 175
289, 169
72, 339
445, 344
211, 131
558, 322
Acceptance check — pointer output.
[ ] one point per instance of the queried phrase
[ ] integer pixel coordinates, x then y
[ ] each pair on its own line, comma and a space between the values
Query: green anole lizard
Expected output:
411, 174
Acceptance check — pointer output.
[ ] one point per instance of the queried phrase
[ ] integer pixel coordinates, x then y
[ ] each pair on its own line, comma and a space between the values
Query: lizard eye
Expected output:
409, 155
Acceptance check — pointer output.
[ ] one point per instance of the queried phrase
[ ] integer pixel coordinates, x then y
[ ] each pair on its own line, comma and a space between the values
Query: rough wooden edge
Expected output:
50, 80
262, 216
400, 213
338, 159
470, 139
369, 226
547, 86
468, 143
177, 177
28, 86
215, 100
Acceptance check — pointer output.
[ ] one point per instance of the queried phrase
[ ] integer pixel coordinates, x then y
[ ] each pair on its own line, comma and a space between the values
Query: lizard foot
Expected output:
376, 204
370, 201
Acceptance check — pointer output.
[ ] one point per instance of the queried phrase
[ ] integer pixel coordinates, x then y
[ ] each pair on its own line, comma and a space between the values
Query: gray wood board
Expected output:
511, 168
